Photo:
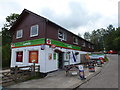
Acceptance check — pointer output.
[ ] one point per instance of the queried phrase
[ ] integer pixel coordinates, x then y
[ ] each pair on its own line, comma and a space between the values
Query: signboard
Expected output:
19, 56
50, 56
48, 41
81, 67
33, 56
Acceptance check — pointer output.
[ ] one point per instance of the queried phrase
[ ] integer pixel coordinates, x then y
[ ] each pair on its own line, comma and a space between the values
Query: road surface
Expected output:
108, 78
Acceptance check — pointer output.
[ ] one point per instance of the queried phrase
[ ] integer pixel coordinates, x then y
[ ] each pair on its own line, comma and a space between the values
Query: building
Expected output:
39, 40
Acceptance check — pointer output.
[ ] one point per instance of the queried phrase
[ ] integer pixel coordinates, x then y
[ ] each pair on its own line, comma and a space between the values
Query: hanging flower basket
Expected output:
76, 53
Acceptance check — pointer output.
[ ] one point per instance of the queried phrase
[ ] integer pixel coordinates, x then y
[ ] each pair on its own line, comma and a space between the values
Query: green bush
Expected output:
106, 59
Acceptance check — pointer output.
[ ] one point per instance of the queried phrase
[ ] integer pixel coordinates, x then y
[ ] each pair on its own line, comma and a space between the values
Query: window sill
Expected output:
33, 36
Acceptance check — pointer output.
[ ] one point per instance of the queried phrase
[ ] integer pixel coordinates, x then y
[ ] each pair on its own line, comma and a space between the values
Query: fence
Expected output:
17, 74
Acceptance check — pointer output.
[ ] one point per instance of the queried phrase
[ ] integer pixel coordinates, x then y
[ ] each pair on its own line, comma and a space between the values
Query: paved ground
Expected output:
108, 78
54, 80
58, 79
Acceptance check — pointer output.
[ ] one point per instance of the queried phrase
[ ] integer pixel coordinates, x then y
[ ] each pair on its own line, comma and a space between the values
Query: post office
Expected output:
43, 42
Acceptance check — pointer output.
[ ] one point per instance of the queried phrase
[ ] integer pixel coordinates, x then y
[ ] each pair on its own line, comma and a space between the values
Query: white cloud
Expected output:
77, 16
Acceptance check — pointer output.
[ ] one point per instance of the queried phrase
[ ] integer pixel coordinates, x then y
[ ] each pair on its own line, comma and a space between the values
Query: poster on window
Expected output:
67, 56
54, 56
50, 56
19, 56
33, 56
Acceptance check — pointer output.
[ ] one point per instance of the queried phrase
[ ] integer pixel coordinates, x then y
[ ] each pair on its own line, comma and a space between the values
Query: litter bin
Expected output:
91, 67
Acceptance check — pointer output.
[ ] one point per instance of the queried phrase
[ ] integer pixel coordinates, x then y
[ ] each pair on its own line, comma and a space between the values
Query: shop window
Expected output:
67, 56
62, 35
33, 56
19, 34
55, 56
34, 31
75, 40
19, 56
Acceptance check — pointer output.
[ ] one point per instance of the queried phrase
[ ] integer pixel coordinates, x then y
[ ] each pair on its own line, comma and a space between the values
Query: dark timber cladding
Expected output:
47, 29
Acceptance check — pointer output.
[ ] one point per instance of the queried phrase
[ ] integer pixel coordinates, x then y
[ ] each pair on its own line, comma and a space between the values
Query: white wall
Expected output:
41, 57
46, 65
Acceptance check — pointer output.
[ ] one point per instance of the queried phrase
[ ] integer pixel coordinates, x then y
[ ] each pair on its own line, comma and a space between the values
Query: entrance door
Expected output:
60, 60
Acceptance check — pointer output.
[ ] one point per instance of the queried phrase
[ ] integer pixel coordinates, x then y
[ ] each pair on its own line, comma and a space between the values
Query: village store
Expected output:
40, 41
51, 56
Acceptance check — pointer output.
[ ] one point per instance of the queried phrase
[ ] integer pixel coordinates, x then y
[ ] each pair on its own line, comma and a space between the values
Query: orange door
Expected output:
33, 56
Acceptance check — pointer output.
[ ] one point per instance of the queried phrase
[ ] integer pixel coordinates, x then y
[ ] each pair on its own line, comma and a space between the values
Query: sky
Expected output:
77, 16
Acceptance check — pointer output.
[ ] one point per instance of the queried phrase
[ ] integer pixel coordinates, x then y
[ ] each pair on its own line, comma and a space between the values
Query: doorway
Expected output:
60, 60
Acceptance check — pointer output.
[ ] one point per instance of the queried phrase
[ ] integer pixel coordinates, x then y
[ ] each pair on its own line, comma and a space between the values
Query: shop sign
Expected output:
48, 41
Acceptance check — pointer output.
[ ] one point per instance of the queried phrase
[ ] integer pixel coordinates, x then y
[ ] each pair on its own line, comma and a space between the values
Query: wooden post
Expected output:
16, 70
39, 68
31, 70
34, 69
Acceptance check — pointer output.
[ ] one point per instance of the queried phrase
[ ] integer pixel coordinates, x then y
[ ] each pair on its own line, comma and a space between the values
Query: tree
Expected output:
106, 38
79, 34
87, 36
6, 39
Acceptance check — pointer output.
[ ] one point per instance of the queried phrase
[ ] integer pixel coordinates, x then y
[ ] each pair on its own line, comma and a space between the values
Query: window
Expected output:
19, 34
62, 35
83, 44
75, 40
67, 56
34, 31
33, 56
55, 56
19, 56
89, 45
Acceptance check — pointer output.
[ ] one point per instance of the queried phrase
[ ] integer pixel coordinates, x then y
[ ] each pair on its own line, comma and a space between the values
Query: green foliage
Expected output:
87, 36
6, 39
105, 38
106, 59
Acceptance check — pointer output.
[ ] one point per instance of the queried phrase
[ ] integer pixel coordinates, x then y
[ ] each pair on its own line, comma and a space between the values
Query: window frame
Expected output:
64, 35
22, 57
84, 44
29, 57
31, 30
76, 39
21, 33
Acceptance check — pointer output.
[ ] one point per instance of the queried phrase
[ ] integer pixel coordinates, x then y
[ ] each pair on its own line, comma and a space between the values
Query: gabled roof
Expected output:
26, 12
